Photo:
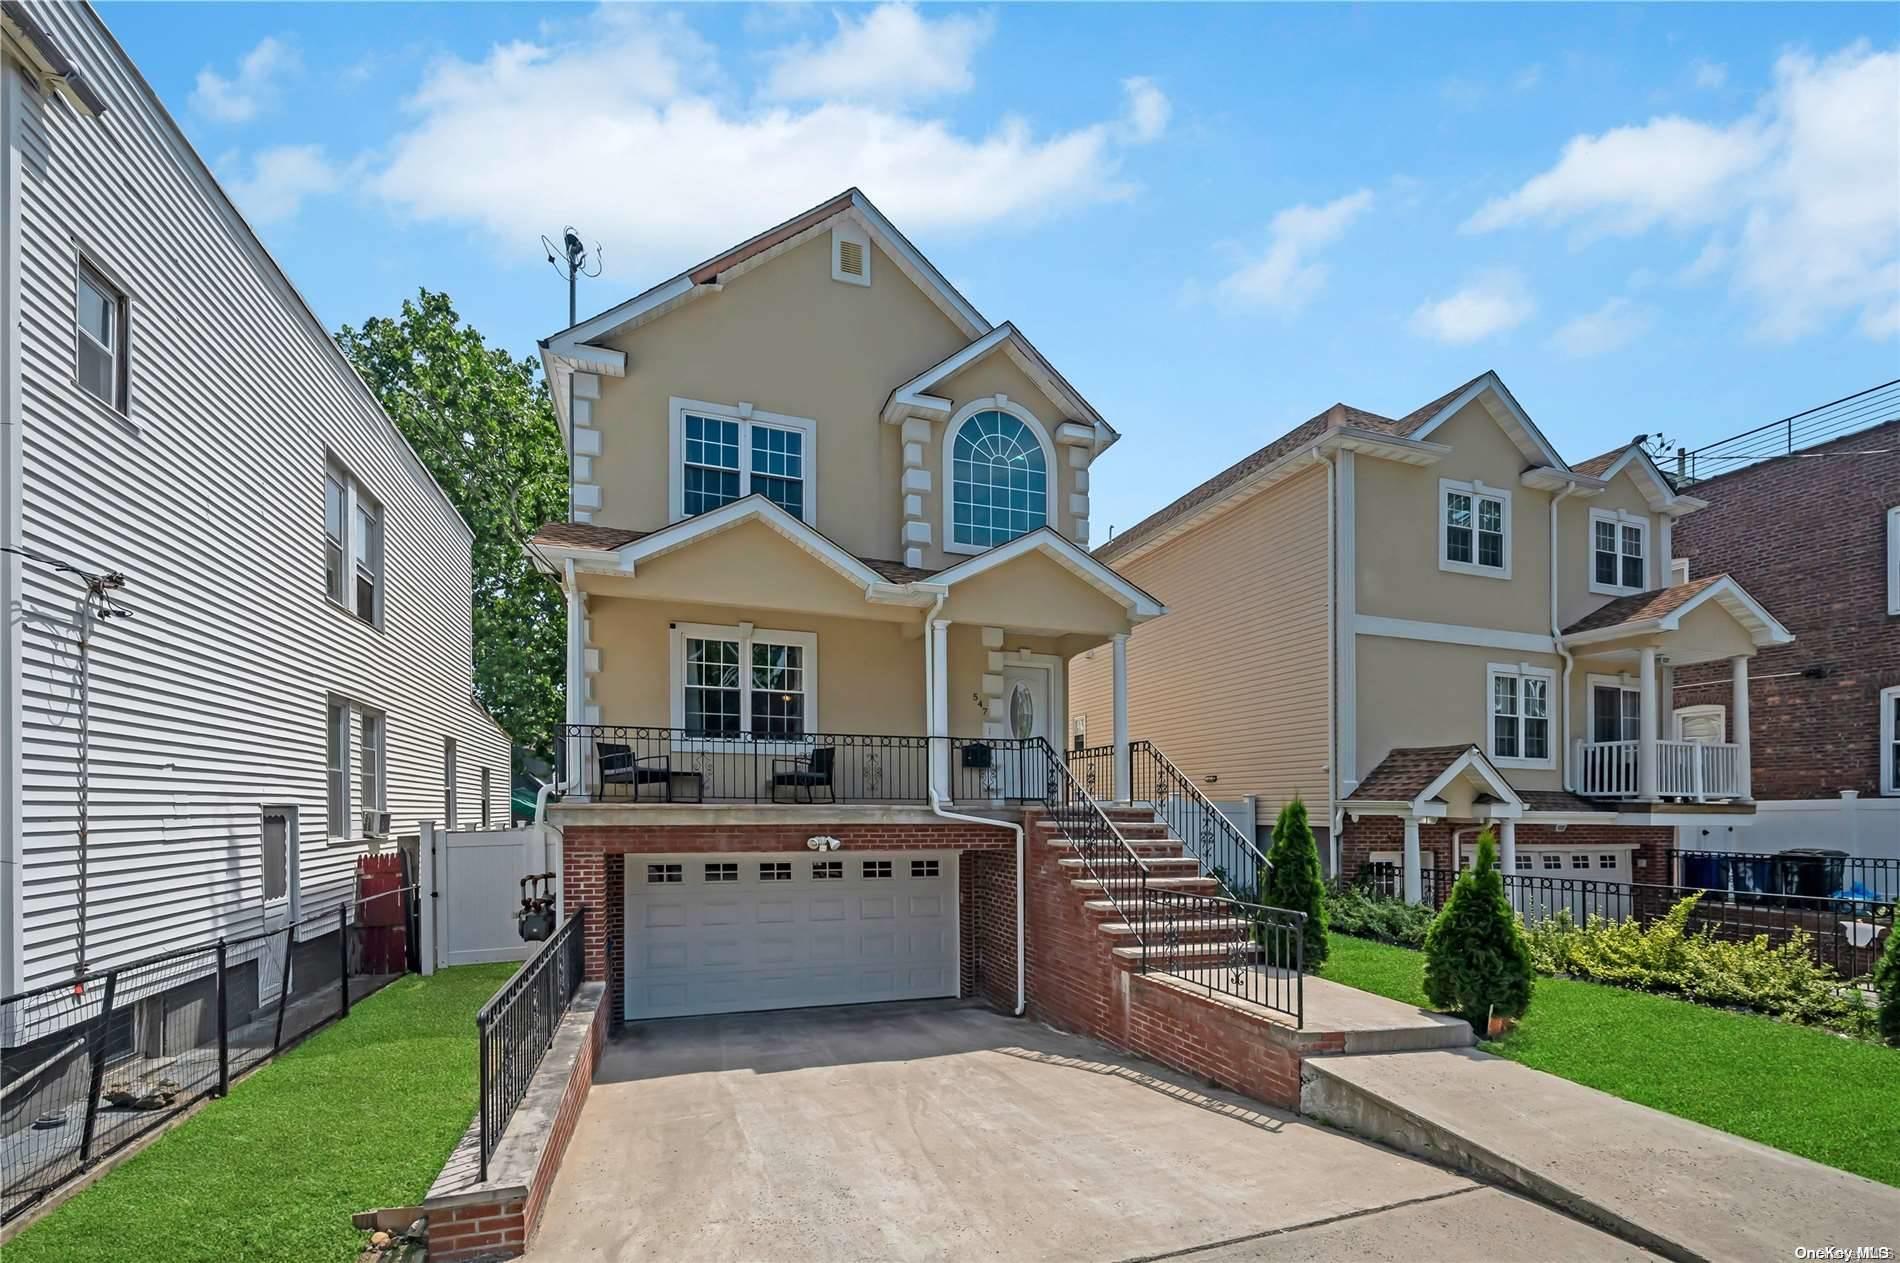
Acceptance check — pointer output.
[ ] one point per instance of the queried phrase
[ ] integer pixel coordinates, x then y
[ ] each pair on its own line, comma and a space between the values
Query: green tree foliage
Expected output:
1476, 961
1887, 990
483, 424
1294, 881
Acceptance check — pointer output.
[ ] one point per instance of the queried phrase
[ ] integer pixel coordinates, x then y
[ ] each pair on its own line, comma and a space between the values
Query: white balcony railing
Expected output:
1693, 771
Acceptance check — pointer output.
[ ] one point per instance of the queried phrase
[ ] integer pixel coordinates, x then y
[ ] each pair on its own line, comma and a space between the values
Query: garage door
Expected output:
733, 933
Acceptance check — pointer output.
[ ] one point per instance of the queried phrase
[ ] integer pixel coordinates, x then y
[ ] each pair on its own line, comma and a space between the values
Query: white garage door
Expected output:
733, 933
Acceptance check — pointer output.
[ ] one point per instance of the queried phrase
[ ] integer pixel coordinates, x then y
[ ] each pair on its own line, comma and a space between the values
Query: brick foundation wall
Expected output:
1221, 1043
989, 927
1808, 538
1360, 838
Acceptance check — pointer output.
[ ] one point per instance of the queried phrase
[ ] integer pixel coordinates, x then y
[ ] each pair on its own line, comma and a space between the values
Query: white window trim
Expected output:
1594, 681
746, 415
841, 234
747, 635
1716, 709
1678, 571
1889, 764
338, 713
1521, 671
355, 494
1620, 518
1893, 560
1474, 489
352, 715
993, 403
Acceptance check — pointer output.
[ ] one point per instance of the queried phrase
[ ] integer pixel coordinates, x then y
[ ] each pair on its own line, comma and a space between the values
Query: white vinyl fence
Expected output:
471, 891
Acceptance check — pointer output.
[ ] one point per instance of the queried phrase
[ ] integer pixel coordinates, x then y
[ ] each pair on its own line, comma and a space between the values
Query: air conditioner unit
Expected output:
375, 824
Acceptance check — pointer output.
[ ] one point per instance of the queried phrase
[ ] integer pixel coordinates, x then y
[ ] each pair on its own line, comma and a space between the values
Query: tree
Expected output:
1293, 881
483, 424
1887, 990
1477, 963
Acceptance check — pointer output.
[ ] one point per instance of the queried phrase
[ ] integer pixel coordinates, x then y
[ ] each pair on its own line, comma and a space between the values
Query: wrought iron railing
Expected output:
1226, 854
517, 1026
1757, 877
1094, 766
1118, 869
1231, 947
625, 763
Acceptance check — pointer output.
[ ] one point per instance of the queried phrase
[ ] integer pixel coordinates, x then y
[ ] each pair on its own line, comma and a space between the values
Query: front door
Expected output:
277, 882
1028, 705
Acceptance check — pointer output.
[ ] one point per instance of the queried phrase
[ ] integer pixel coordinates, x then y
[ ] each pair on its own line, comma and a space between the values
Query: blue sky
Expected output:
1215, 220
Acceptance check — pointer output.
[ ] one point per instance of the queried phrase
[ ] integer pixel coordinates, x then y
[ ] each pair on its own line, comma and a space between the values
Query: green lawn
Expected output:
1807, 1091
360, 1115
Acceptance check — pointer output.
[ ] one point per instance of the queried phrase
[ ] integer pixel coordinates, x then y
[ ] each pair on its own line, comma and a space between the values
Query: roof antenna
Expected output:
571, 260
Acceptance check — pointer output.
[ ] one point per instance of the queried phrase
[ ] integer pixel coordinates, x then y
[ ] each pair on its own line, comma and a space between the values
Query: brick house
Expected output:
1815, 535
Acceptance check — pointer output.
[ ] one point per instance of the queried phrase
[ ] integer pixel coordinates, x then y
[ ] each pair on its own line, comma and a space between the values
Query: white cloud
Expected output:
252, 89
1615, 324
1709, 75
1490, 303
604, 124
891, 54
280, 179
1799, 197
1148, 109
1286, 276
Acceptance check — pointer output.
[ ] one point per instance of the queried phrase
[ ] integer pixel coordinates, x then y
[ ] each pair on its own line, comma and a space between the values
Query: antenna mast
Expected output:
570, 260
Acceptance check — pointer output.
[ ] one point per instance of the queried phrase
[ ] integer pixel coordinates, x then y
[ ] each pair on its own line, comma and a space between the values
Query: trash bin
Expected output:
1809, 871
1753, 875
1702, 871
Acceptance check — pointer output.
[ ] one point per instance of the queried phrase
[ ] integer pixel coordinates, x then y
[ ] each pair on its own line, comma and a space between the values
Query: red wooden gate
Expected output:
382, 910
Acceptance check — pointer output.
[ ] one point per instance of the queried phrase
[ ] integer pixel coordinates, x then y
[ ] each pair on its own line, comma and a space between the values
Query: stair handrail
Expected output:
1208, 812
1087, 811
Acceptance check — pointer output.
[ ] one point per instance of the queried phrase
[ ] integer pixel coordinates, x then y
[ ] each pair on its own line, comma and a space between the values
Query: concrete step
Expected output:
1681, 1189
1224, 929
1142, 846
1211, 950
1191, 885
1154, 863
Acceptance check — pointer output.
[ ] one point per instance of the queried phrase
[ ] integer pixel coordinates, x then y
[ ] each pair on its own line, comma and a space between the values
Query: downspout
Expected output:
1334, 816
937, 807
1557, 636
576, 640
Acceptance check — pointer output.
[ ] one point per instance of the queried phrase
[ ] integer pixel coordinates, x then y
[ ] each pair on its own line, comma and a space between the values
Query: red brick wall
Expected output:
1223, 1044
1807, 536
989, 927
1361, 837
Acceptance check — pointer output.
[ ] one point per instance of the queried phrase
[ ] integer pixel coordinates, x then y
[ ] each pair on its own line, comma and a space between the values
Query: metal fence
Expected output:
1752, 877
517, 1025
1230, 947
1862, 410
620, 763
93, 1063
1845, 934
1094, 769
1226, 854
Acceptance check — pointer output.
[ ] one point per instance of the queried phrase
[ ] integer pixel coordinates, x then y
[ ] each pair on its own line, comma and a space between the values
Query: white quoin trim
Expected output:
1124, 777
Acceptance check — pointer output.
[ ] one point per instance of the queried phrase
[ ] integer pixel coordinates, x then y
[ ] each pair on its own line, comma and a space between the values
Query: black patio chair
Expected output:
804, 776
620, 766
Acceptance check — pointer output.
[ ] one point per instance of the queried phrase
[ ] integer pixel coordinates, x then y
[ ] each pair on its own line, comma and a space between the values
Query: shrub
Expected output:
1294, 882
1353, 910
1887, 989
1477, 964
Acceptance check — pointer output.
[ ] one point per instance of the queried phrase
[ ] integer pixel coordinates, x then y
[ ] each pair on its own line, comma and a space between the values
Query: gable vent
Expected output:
851, 258
850, 255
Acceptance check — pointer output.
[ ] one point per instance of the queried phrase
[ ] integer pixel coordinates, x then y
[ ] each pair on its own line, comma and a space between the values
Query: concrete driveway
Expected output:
930, 1131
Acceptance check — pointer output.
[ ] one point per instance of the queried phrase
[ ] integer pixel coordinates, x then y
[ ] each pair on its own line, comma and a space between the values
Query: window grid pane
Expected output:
778, 467
1491, 533
999, 481
1457, 526
712, 686
712, 463
778, 690
1632, 557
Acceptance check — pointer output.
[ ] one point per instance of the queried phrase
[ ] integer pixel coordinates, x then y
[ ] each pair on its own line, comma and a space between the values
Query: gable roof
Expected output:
913, 398
1416, 775
1067, 554
1663, 609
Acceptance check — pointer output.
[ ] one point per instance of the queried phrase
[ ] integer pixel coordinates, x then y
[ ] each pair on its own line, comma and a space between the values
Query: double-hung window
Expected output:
1890, 740
1474, 529
744, 681
722, 454
1520, 718
370, 758
99, 341
1616, 710
1619, 552
352, 545
337, 760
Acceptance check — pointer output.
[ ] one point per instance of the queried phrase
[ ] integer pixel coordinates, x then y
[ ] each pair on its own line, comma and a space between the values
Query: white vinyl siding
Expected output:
212, 700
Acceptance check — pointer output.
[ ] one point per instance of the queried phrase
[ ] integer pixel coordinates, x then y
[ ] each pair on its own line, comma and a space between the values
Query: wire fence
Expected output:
92, 1064
1859, 411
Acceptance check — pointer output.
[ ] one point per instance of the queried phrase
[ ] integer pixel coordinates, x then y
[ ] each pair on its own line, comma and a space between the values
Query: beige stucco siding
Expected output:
1419, 693
1038, 593
1574, 598
1233, 680
787, 339
1397, 510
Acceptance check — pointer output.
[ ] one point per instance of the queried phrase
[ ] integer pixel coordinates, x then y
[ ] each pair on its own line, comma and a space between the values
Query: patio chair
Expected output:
804, 776
620, 766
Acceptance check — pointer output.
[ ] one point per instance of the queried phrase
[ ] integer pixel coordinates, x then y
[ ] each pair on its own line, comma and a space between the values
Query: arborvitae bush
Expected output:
1887, 989
1294, 881
1477, 964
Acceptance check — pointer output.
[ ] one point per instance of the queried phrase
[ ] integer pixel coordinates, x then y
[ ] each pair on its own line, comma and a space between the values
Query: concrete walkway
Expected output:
1684, 1190
931, 1131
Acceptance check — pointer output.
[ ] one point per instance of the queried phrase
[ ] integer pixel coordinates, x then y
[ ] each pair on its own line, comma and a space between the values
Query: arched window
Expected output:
999, 480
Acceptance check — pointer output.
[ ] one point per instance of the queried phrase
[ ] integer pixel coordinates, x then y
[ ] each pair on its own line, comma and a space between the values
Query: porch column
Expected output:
937, 694
1507, 845
1124, 778
1738, 675
1414, 884
1646, 751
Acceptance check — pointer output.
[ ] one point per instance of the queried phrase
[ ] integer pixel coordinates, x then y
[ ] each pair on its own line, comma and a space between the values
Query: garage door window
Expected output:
775, 872
1523, 862
1606, 861
828, 870
877, 868
1553, 860
1580, 860
925, 868
665, 874
722, 872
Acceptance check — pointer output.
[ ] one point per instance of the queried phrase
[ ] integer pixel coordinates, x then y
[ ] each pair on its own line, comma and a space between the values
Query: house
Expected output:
827, 569
1816, 533
283, 681
1433, 623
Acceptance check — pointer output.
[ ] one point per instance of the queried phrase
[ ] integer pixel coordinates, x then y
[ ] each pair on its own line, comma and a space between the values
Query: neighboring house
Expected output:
293, 684
828, 568
1816, 534
1467, 627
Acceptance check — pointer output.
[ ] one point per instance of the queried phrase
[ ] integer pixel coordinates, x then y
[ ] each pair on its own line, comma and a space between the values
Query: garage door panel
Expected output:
730, 946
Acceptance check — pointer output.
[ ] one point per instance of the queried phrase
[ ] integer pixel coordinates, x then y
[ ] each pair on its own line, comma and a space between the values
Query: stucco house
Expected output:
827, 570
1431, 623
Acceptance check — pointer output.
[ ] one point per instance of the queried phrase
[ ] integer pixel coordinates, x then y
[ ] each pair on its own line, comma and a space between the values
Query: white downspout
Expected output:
937, 808
576, 686
1557, 638
1335, 817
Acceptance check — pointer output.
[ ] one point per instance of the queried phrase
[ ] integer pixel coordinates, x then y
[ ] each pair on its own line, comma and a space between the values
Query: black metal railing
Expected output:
623, 763
1758, 876
1226, 854
1845, 934
1120, 872
1231, 947
90, 1064
1094, 767
517, 1026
